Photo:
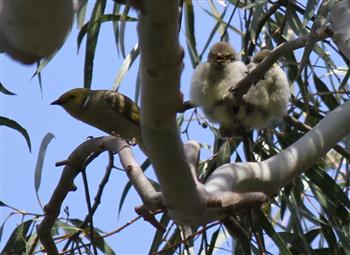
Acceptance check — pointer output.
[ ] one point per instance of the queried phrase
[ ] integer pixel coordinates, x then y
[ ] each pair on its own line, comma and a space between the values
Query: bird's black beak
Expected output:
57, 102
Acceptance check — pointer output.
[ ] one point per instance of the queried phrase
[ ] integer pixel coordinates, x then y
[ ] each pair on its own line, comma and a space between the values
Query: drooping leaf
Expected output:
127, 187
330, 237
122, 29
32, 243
80, 16
258, 13
213, 240
93, 30
224, 154
98, 240
190, 32
14, 125
325, 94
102, 245
18, 238
158, 237
116, 9
174, 239
4, 221
309, 10
6, 91
128, 61
40, 162
212, 33
328, 186
103, 18
266, 225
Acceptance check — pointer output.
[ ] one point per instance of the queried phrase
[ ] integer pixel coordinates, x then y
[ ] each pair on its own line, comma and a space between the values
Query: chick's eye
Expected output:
71, 97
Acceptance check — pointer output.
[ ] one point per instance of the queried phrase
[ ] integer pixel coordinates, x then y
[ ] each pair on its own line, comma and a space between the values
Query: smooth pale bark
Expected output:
271, 175
161, 64
340, 19
184, 197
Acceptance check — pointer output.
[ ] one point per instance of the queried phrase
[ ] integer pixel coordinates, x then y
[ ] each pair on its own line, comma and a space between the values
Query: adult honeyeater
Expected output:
106, 110
267, 100
212, 80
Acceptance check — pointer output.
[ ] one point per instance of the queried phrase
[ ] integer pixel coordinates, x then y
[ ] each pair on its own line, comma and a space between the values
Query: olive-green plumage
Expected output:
106, 110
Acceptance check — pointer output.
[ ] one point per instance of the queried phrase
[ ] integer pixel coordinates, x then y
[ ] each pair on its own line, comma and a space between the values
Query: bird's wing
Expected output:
123, 105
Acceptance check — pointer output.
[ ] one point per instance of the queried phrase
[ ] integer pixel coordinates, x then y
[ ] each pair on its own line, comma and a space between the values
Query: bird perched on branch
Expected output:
106, 110
211, 82
266, 101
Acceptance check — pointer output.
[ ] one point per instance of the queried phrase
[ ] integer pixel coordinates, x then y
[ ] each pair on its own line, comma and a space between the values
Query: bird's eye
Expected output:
71, 97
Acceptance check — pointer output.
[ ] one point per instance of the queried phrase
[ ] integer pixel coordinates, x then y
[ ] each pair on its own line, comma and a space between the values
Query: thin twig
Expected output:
260, 25
173, 246
107, 234
257, 73
97, 199
88, 202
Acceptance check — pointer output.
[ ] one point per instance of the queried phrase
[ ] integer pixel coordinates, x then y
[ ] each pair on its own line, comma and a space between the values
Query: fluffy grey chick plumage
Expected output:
212, 80
267, 100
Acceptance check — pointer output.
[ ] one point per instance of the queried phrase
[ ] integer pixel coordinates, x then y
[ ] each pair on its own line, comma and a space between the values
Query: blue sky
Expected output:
34, 112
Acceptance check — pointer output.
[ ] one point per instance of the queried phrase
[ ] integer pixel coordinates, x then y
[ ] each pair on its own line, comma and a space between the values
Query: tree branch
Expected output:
74, 164
149, 196
259, 71
270, 175
161, 64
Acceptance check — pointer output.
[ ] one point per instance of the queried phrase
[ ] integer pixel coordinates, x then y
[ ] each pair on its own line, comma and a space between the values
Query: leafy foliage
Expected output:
308, 216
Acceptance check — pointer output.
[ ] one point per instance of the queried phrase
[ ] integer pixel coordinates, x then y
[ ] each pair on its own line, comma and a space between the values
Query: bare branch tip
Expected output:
62, 163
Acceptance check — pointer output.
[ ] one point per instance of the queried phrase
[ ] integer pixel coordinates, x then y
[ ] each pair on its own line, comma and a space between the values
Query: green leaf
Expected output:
158, 237
80, 15
123, 196
309, 10
14, 125
122, 29
32, 243
17, 241
213, 240
102, 245
190, 33
212, 33
93, 30
5, 91
40, 162
67, 228
4, 222
174, 239
116, 9
103, 18
330, 237
127, 63
270, 231
127, 187
328, 186
224, 154
326, 95
296, 221
258, 13
99, 241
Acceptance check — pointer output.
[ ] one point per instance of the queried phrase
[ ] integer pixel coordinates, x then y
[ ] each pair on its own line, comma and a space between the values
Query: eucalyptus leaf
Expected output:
40, 162
6, 91
14, 125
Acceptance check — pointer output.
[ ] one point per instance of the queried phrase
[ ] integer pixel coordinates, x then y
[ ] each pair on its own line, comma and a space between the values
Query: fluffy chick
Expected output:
212, 80
267, 100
